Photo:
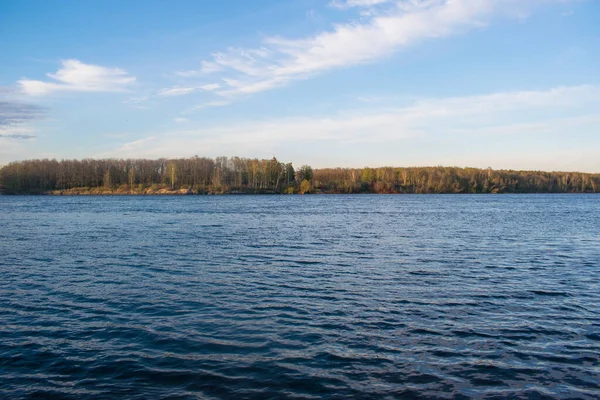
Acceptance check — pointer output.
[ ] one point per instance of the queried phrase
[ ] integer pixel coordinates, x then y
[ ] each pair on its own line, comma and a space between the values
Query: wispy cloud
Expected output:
208, 104
15, 119
210, 87
75, 76
314, 15
180, 90
17, 132
357, 3
395, 26
136, 100
15, 113
175, 91
427, 119
206, 68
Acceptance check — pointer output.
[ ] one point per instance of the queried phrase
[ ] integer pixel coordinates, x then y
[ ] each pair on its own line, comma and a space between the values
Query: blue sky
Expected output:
500, 83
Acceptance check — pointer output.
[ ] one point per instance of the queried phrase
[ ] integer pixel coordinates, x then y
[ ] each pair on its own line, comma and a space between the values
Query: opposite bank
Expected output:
253, 176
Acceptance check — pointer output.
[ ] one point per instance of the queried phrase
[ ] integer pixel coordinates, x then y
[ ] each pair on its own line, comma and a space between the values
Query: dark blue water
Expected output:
300, 297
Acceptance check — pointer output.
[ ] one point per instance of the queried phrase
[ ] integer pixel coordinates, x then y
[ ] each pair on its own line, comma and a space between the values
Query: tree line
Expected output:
244, 175
196, 174
452, 180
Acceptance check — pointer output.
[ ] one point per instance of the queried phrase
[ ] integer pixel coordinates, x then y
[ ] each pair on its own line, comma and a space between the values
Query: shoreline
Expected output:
253, 176
47, 194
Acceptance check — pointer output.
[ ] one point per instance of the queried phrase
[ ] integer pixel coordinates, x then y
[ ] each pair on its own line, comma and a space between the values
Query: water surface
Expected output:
365, 296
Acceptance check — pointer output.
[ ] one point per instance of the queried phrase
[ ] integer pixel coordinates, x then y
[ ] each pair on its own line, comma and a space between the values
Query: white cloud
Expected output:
357, 3
76, 76
136, 100
399, 25
558, 124
210, 87
214, 103
180, 91
17, 132
497, 103
206, 67
511, 115
175, 91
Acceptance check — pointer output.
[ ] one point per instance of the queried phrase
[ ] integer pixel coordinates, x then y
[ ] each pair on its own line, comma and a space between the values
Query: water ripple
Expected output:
486, 297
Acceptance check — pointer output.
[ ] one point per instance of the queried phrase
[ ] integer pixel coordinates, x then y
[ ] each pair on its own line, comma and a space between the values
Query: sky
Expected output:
507, 84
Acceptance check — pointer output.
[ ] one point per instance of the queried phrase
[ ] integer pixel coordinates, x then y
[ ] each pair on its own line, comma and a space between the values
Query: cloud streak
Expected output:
428, 119
214, 103
75, 76
357, 3
397, 24
15, 117
18, 136
181, 91
12, 113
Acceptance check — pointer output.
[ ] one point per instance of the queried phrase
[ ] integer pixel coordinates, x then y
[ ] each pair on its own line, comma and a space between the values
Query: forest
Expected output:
234, 175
